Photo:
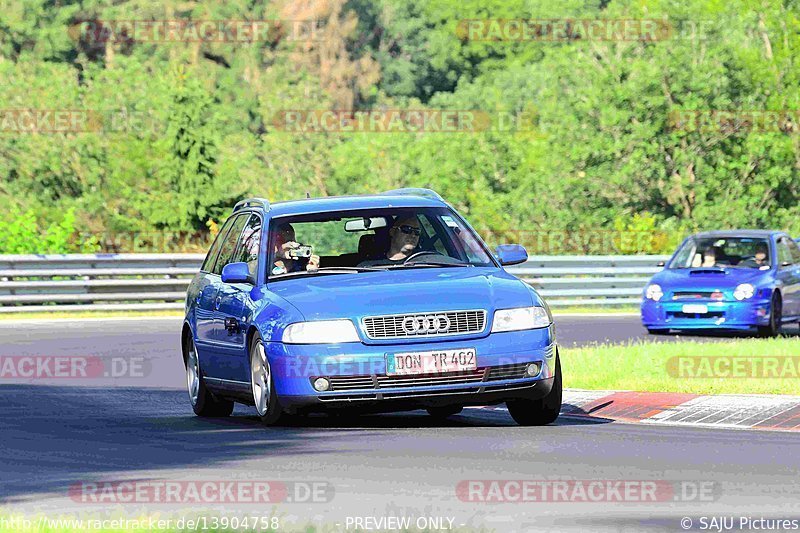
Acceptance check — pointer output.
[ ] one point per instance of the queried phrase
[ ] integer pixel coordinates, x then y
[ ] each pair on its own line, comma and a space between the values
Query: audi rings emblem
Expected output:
426, 324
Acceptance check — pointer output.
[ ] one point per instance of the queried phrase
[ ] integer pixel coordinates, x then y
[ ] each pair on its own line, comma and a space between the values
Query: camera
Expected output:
300, 252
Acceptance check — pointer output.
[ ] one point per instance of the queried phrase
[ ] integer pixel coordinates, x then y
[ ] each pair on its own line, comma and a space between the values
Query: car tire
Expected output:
440, 413
775, 318
657, 331
203, 402
542, 411
262, 384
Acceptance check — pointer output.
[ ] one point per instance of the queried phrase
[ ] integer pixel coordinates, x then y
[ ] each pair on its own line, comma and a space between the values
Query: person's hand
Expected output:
284, 253
313, 263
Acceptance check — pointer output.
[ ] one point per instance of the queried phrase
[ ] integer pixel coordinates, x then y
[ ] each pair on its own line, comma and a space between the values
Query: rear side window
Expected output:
213, 252
229, 244
784, 255
249, 245
795, 250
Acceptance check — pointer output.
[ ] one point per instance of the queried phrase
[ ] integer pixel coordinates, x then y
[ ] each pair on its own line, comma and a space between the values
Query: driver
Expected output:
404, 239
760, 259
285, 241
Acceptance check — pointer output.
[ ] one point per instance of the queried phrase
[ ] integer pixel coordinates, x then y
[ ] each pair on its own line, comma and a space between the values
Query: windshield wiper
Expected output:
428, 264
324, 270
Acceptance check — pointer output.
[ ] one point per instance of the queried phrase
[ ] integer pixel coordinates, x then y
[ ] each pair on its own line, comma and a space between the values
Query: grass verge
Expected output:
747, 366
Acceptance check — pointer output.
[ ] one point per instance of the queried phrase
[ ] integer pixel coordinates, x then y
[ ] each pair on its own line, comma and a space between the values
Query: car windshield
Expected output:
361, 241
723, 252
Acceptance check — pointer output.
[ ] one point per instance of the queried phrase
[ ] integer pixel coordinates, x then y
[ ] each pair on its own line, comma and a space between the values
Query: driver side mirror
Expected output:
236, 273
511, 254
661, 264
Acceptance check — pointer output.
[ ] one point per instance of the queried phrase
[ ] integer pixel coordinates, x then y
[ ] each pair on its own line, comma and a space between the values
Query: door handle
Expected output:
232, 325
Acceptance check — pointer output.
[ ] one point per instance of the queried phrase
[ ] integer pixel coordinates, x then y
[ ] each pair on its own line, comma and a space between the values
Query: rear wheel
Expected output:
203, 402
542, 411
775, 317
440, 413
263, 385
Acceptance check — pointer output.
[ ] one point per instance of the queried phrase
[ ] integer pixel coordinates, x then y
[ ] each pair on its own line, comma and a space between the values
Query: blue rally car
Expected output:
366, 303
735, 280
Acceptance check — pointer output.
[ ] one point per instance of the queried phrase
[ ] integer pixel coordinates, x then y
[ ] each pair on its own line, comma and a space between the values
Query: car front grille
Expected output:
479, 375
392, 326
694, 295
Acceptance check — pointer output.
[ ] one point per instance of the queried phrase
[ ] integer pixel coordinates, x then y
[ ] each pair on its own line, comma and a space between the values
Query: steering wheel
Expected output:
417, 254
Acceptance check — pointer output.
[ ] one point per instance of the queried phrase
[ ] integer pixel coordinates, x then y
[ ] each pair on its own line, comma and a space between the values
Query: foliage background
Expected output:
195, 120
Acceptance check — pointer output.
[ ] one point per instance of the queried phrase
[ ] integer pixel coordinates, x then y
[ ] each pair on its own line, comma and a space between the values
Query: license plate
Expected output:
695, 308
431, 362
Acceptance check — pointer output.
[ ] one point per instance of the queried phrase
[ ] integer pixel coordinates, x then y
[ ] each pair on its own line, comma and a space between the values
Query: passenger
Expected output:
710, 257
284, 262
404, 238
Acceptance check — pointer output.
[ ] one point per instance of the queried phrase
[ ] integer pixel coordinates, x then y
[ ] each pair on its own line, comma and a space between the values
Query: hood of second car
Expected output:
418, 290
698, 278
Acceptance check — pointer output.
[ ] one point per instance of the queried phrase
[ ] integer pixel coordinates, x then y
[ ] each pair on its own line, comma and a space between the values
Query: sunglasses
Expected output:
408, 230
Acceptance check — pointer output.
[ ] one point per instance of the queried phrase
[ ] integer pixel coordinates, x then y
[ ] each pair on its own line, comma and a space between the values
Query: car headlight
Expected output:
653, 292
744, 291
321, 332
520, 318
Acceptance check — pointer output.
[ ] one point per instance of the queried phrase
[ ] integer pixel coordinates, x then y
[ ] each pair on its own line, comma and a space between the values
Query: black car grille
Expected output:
391, 326
494, 373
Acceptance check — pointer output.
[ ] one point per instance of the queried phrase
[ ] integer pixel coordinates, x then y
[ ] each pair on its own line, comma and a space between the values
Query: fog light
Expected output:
321, 384
533, 369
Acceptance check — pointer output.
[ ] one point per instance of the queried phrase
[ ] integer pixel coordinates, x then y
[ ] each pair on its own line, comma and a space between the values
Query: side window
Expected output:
249, 245
794, 249
229, 245
213, 252
784, 255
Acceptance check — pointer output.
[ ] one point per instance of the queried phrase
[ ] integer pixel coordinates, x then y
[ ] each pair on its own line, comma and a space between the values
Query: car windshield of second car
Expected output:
728, 252
364, 241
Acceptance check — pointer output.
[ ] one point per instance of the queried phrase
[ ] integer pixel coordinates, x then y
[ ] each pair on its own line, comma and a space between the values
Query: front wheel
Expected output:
542, 411
657, 331
263, 384
775, 318
203, 402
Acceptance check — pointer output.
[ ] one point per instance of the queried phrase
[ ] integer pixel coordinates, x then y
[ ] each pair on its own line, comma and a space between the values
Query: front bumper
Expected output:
358, 373
734, 315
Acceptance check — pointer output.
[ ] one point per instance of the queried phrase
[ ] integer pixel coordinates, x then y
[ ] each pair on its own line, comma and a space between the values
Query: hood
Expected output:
711, 278
418, 290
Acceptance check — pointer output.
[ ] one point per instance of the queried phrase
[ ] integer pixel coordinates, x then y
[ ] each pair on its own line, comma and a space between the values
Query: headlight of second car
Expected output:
744, 291
653, 292
520, 318
321, 332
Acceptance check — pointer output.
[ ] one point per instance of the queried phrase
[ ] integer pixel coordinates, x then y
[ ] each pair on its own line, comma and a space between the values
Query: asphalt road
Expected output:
56, 433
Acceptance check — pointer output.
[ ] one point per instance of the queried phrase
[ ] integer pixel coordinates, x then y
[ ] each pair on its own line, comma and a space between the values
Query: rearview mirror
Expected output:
236, 273
661, 264
364, 224
511, 254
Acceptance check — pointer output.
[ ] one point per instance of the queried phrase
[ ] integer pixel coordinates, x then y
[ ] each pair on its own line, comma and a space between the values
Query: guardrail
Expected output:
158, 281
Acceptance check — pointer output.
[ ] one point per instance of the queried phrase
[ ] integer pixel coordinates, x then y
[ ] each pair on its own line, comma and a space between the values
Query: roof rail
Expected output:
252, 202
416, 191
